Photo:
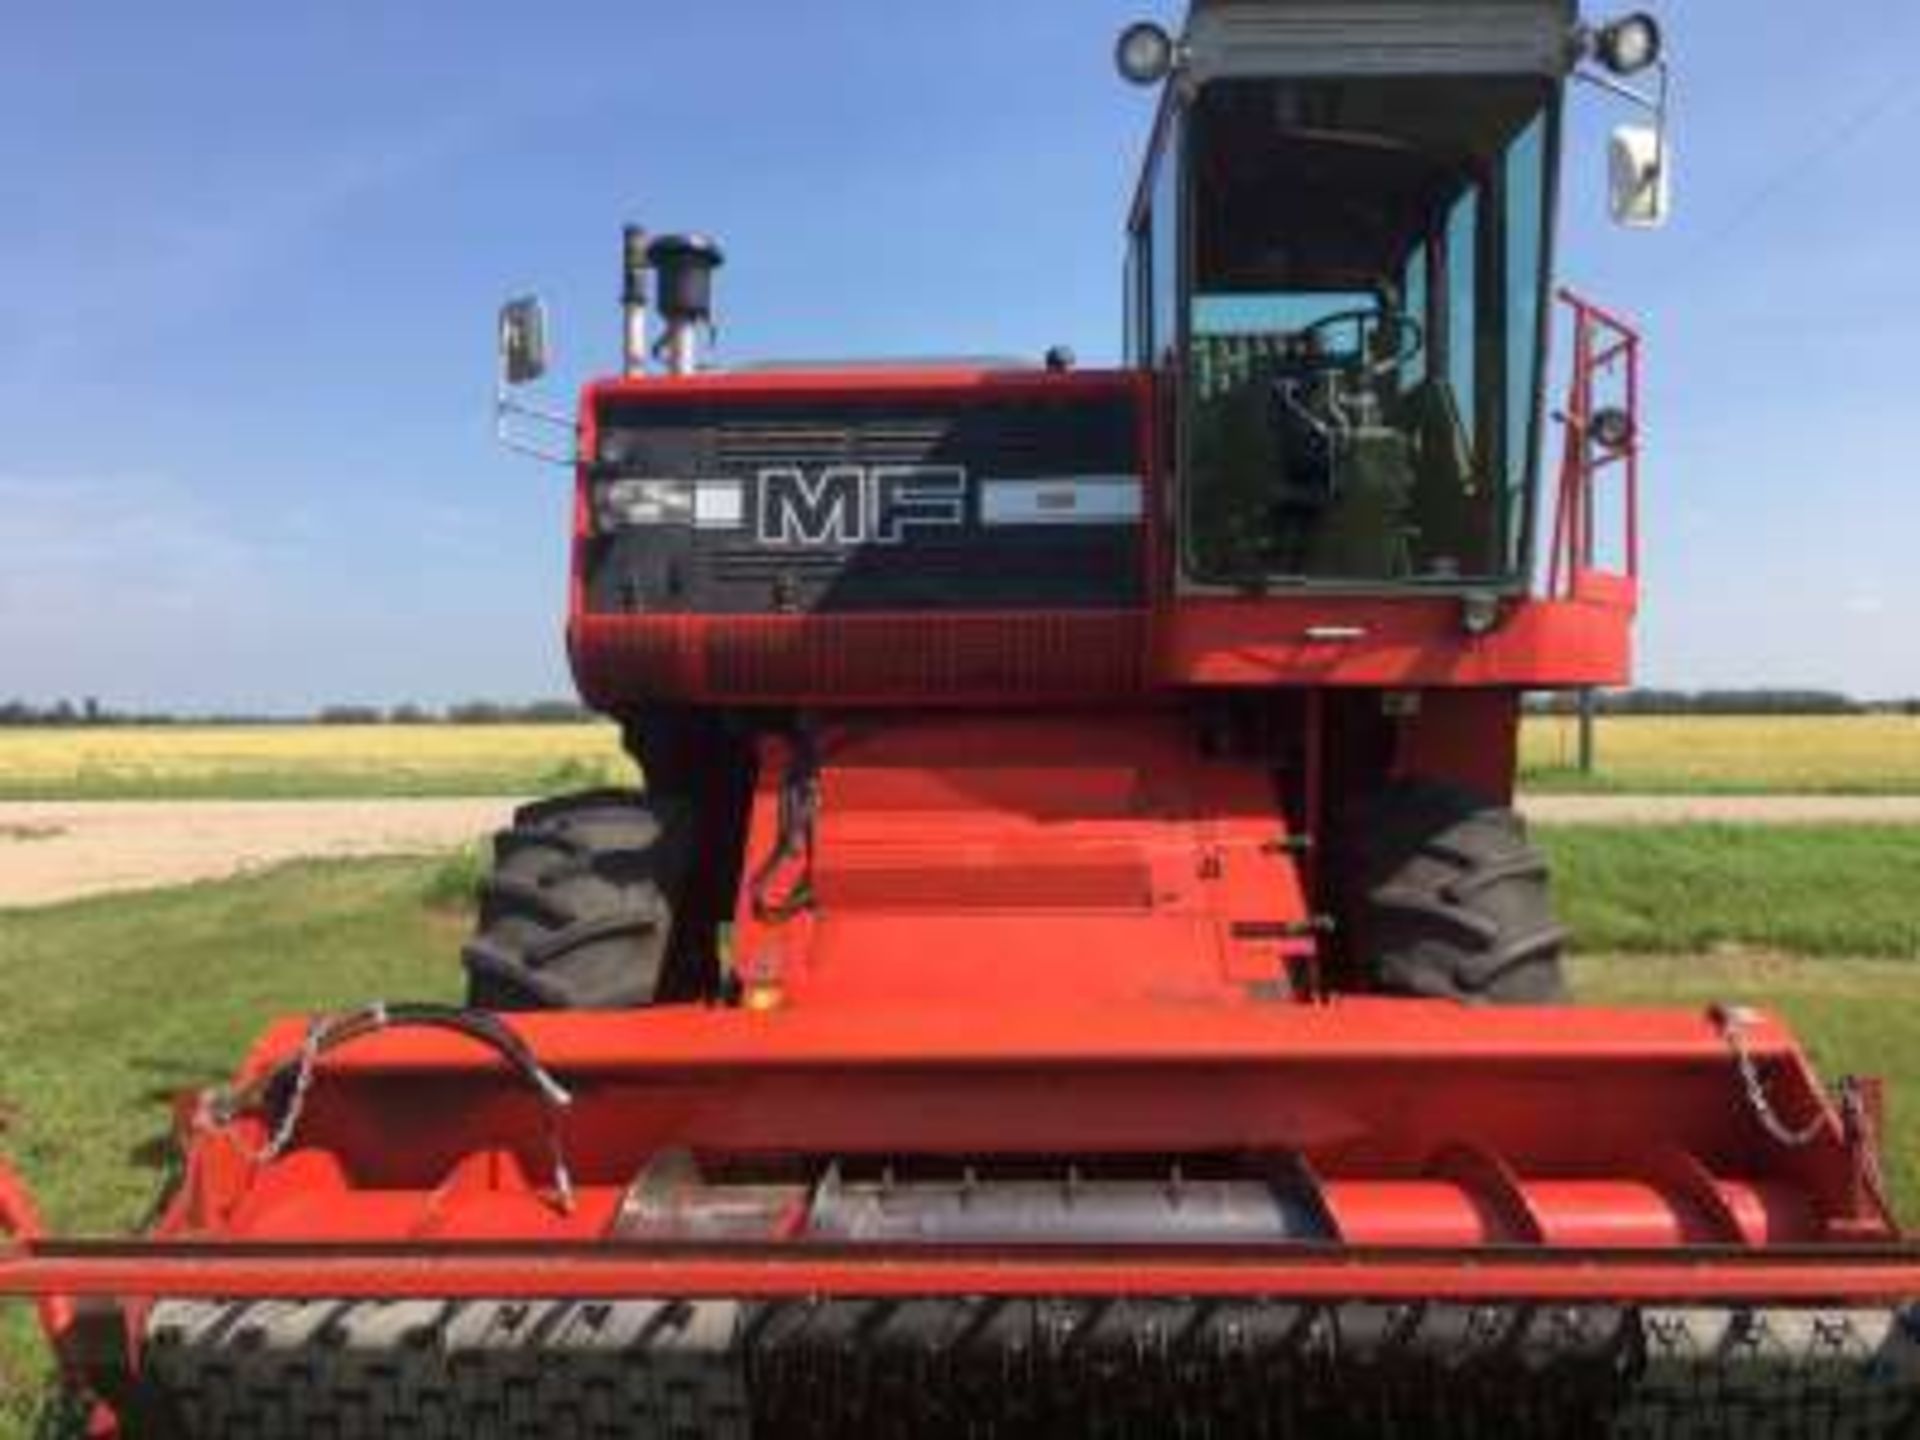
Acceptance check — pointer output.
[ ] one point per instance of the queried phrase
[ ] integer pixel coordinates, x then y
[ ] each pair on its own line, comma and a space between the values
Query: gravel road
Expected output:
1723, 809
55, 850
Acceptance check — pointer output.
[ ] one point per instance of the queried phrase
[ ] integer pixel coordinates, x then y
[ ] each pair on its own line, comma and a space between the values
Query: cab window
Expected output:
1367, 265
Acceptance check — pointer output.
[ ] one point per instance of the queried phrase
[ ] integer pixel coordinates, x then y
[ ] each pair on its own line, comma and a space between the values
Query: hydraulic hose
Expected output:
280, 1092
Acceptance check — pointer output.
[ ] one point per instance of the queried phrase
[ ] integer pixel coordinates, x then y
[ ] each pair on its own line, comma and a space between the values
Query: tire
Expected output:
1448, 899
577, 912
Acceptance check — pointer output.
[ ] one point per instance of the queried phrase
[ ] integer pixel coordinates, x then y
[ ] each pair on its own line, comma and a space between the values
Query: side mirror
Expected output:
523, 341
523, 360
1640, 173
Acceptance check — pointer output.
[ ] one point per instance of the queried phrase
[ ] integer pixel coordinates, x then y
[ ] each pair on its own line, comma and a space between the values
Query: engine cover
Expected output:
1005, 496
864, 537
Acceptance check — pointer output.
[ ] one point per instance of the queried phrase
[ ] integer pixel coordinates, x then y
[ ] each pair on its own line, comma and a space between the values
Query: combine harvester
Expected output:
1075, 968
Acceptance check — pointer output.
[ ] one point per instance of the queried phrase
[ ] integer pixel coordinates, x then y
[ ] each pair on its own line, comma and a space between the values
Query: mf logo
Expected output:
859, 504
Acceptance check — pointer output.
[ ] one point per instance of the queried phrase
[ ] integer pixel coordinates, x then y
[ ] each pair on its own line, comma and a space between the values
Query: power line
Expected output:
1879, 104
1882, 103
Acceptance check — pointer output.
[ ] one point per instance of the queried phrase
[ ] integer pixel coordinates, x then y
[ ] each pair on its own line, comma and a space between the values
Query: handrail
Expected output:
1605, 382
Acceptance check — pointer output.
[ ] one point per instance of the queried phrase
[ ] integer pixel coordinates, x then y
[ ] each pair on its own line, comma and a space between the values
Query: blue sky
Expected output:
251, 255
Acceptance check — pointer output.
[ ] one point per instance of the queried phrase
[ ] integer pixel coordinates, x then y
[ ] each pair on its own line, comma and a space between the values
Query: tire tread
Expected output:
577, 911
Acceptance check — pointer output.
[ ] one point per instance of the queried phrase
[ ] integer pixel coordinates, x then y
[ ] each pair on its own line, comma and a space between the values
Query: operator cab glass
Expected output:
1356, 329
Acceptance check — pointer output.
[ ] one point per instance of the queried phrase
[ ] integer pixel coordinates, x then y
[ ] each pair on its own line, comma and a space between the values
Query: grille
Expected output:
1012, 438
1037, 655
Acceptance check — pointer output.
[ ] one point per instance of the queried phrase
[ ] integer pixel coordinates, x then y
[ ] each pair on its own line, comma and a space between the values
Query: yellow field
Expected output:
287, 760
1852, 754
1815, 754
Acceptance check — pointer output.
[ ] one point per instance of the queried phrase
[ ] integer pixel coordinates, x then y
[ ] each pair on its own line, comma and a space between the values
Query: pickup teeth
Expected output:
975, 1366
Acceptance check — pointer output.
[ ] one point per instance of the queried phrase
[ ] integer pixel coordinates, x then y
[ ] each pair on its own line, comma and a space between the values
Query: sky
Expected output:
251, 254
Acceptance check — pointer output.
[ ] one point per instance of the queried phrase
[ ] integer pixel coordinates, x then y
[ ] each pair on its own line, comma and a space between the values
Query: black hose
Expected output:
281, 1092
332, 1032
799, 811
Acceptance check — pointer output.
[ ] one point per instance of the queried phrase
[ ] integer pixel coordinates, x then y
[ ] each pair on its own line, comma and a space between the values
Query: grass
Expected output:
1733, 754
1816, 890
287, 762
1848, 754
116, 1005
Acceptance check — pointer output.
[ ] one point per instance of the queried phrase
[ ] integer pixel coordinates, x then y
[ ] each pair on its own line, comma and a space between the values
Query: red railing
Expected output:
1602, 433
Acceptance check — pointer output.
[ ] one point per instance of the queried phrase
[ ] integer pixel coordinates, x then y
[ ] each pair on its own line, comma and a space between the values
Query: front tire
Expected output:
1447, 898
577, 912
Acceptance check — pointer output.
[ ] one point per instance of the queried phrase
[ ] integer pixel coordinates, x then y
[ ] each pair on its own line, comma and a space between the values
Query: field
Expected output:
1867, 754
305, 761
116, 1005
1732, 754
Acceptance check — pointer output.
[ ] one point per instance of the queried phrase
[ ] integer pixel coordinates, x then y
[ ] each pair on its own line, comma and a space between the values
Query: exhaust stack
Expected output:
684, 265
633, 301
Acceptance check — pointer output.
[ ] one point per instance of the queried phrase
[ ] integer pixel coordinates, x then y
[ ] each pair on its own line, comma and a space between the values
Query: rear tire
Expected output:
1448, 899
577, 912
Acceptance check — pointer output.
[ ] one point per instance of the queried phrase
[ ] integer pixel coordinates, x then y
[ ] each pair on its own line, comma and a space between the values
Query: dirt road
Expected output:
52, 851
1723, 809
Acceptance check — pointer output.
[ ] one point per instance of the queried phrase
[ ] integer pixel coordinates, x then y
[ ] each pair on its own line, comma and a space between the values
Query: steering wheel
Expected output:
1409, 339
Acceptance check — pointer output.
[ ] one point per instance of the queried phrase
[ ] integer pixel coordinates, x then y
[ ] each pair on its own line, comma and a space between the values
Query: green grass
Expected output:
116, 1005
1817, 890
1628, 779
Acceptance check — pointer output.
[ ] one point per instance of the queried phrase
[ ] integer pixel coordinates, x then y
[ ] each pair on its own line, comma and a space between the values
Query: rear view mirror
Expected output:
523, 341
523, 360
1641, 176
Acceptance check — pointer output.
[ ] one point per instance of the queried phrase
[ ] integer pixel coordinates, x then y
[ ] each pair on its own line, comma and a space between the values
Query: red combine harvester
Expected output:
1074, 968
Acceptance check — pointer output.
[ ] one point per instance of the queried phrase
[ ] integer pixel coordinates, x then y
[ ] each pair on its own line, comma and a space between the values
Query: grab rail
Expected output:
1601, 425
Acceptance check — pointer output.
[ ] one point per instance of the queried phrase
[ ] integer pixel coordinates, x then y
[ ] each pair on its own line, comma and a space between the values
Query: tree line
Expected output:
1757, 701
91, 711
79, 714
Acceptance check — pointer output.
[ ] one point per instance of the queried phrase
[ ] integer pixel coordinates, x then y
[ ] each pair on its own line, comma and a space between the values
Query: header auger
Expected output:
1074, 967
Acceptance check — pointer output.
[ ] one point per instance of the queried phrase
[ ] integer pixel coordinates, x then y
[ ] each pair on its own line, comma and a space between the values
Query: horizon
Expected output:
1636, 700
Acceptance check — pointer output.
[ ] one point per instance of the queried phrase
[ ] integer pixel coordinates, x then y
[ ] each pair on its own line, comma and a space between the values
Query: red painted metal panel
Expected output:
1395, 643
1071, 859
615, 1270
957, 383
1352, 1031
1469, 738
976, 659
1572, 1118
989, 659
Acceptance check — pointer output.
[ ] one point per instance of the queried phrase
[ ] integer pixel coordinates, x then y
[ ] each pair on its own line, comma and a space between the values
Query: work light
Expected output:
1145, 53
1611, 428
1630, 44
